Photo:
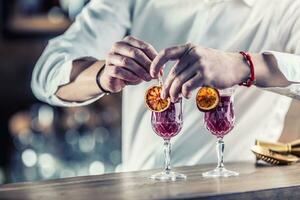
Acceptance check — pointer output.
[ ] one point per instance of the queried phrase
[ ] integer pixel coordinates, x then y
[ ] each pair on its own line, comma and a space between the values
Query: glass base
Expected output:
220, 172
168, 176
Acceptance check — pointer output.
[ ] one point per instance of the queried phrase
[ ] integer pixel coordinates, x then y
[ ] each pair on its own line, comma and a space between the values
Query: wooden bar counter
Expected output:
254, 182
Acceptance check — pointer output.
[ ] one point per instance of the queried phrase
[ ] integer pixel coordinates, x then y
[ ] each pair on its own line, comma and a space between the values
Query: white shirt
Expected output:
229, 25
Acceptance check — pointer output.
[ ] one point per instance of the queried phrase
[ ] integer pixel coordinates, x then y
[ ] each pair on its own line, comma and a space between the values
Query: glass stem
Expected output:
220, 152
167, 151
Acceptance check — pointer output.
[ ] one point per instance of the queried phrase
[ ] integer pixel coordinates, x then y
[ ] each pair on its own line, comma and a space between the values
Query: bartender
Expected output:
121, 45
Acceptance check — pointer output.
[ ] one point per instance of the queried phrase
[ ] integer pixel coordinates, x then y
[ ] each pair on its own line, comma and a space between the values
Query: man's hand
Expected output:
197, 66
128, 63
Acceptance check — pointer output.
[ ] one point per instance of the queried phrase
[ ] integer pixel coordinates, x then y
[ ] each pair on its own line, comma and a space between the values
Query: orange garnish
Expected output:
207, 98
153, 100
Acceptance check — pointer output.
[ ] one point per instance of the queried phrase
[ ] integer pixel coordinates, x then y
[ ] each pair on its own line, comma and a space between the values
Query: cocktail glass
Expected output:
220, 122
167, 124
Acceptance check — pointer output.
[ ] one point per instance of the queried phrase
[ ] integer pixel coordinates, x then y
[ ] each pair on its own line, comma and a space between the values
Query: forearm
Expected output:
82, 86
266, 69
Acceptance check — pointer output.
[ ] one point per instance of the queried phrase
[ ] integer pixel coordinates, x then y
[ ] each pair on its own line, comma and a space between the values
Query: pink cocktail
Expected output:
220, 122
167, 124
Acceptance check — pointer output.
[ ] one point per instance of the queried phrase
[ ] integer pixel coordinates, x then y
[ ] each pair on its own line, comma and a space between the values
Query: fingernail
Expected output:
189, 95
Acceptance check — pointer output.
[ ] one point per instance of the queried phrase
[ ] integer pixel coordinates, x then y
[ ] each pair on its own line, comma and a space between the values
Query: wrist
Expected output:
99, 80
241, 67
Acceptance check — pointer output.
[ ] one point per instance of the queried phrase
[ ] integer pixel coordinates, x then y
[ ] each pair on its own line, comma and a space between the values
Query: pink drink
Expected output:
168, 123
221, 121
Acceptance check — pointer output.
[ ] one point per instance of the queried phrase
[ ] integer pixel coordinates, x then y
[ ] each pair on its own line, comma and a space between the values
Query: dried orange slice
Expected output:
153, 100
207, 98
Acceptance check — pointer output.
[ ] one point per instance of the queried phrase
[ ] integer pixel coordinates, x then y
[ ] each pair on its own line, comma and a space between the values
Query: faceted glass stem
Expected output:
220, 151
167, 174
167, 151
220, 170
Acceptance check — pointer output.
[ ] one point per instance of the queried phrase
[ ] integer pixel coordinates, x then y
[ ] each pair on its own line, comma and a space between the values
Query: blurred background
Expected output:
38, 141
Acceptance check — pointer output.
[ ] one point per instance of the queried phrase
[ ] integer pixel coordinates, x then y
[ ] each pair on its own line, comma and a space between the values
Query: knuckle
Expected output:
116, 46
178, 81
169, 50
110, 55
144, 46
129, 37
132, 52
187, 86
107, 60
189, 45
115, 70
184, 89
149, 46
173, 92
167, 84
147, 63
125, 61
138, 54
206, 73
119, 43
165, 52
174, 72
193, 50
108, 71
200, 63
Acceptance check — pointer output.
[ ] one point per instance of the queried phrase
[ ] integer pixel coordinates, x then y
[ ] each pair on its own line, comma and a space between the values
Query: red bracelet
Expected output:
251, 79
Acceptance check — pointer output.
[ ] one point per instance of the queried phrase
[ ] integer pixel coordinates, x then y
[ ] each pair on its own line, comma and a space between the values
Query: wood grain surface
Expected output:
254, 182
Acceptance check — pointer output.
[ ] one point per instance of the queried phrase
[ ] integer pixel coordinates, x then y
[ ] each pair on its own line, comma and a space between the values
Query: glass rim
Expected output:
227, 91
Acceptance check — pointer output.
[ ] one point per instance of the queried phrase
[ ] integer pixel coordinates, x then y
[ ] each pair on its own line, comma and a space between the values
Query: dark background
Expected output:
42, 142
38, 141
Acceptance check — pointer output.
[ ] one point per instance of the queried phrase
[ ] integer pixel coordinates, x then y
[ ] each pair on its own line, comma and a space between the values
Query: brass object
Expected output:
289, 148
265, 154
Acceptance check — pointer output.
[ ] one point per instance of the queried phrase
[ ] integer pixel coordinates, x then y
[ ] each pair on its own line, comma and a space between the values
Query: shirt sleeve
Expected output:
100, 24
288, 61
